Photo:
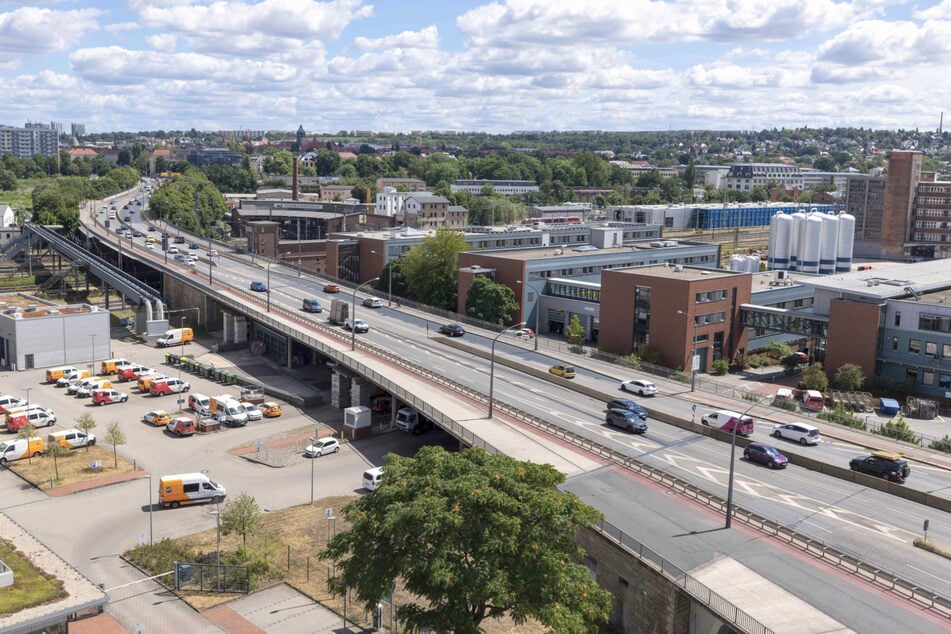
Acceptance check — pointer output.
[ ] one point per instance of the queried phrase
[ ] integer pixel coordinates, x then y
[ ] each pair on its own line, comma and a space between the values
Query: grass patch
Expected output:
930, 546
31, 587
73, 467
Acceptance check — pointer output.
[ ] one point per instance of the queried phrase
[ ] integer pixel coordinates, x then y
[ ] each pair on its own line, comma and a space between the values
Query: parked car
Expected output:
259, 287
373, 302
626, 420
181, 426
639, 386
800, 432
453, 330
564, 371
158, 417
356, 325
885, 464
91, 388
169, 386
104, 397
331, 288
271, 409
254, 413
322, 447
629, 405
765, 454
8, 402
523, 333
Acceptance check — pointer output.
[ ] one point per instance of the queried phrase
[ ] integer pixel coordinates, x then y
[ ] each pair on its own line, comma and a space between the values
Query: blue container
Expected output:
888, 406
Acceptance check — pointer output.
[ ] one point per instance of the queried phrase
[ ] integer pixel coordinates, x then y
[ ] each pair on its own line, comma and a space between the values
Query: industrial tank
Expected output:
780, 229
843, 260
795, 239
810, 237
737, 263
752, 264
828, 244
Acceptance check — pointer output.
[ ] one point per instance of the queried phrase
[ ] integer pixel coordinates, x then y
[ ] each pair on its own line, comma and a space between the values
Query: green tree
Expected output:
476, 536
576, 335
55, 450
690, 178
86, 423
241, 515
115, 437
8, 180
849, 377
814, 378
431, 268
490, 302
778, 349
26, 432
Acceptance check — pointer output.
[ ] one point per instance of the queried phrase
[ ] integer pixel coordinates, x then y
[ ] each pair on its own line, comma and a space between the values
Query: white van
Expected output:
71, 438
372, 478
199, 403
189, 488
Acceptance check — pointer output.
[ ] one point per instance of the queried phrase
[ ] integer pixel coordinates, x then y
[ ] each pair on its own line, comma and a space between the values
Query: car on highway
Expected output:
194, 245
105, 397
270, 409
150, 245
356, 325
628, 405
172, 249
639, 386
626, 420
153, 228
765, 454
453, 330
180, 257
322, 447
373, 302
253, 411
800, 432
331, 288
523, 333
158, 417
564, 371
136, 234
259, 287
886, 464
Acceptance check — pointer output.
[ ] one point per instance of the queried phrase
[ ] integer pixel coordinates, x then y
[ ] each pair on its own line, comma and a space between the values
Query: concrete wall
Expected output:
853, 335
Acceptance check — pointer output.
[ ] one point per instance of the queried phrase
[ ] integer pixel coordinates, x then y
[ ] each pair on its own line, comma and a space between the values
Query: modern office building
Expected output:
865, 201
745, 176
508, 188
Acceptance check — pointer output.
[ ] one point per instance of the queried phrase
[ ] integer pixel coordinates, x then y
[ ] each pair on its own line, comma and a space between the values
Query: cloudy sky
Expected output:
403, 65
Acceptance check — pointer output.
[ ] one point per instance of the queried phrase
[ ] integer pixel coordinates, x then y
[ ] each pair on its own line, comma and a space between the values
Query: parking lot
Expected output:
92, 528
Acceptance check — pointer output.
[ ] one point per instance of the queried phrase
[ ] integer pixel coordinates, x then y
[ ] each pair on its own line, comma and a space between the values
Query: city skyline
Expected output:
474, 65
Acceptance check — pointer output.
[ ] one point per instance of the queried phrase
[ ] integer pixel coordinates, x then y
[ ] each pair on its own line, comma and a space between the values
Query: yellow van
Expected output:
21, 448
189, 488
55, 374
112, 366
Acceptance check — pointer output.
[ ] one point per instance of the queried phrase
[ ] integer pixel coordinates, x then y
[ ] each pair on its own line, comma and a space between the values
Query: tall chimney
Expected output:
295, 186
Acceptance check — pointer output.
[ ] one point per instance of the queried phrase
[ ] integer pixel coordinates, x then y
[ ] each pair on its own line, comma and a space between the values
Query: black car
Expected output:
885, 464
453, 330
765, 454
626, 420
629, 405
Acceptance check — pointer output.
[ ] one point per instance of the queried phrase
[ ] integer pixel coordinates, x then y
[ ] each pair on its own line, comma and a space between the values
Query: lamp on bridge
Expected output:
492, 364
353, 313
729, 490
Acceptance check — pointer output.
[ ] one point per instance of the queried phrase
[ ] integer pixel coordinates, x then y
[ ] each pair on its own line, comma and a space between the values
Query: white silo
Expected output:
795, 239
810, 236
780, 227
843, 259
737, 262
752, 264
828, 244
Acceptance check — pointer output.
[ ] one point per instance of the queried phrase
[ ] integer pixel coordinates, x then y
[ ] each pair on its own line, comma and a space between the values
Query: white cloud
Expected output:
162, 41
425, 38
35, 31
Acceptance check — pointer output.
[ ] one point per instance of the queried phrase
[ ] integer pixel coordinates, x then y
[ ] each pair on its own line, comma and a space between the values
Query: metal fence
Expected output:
211, 577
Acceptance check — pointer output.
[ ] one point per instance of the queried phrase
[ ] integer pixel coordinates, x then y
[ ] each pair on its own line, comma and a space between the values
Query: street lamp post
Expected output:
729, 490
269, 285
353, 314
217, 514
693, 351
27, 389
492, 365
92, 359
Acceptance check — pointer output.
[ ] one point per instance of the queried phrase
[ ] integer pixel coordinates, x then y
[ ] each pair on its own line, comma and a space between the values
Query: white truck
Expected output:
408, 419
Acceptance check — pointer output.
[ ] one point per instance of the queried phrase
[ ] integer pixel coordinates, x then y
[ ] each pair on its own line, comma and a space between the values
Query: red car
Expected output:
103, 397
331, 288
130, 372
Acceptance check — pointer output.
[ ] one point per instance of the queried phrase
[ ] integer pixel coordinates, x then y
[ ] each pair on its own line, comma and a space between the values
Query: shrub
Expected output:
680, 376
899, 430
943, 444
841, 416
721, 367
159, 557
786, 404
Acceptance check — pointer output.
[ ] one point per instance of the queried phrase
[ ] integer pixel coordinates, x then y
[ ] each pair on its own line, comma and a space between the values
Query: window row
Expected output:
711, 296
930, 349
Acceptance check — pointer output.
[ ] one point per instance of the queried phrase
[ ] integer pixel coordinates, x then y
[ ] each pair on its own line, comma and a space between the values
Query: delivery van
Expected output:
71, 438
189, 488
175, 337
813, 399
726, 420
9, 402
181, 426
21, 448
199, 403
78, 375
112, 366
372, 478
228, 410
36, 415
54, 374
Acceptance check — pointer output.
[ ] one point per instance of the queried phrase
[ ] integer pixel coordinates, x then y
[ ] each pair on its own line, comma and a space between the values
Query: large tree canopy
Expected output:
472, 536
490, 302
431, 268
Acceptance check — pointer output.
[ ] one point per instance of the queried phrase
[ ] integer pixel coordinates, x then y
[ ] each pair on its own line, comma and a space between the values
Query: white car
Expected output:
322, 447
373, 302
172, 249
800, 432
524, 334
639, 386
252, 410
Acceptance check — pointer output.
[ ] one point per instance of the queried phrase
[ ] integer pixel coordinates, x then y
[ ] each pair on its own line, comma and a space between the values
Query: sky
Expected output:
472, 65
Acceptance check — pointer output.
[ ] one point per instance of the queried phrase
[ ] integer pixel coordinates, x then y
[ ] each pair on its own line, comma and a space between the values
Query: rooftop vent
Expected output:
679, 268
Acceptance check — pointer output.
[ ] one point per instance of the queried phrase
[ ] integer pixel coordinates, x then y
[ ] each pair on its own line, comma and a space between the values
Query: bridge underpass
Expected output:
460, 412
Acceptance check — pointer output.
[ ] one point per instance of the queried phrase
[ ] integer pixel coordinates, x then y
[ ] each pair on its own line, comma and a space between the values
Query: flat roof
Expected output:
891, 282
579, 250
20, 306
679, 272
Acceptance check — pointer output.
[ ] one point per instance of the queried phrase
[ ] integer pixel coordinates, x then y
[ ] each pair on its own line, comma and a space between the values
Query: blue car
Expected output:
628, 405
260, 287
193, 245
